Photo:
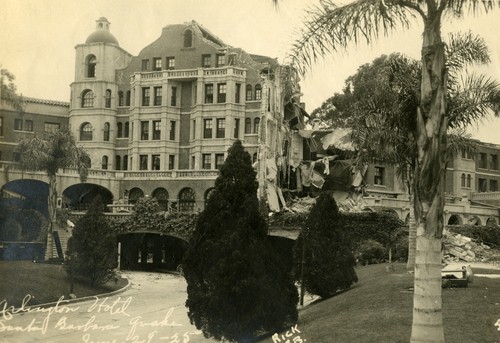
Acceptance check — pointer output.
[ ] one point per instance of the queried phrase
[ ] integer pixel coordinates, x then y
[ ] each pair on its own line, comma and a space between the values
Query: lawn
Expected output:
379, 309
45, 282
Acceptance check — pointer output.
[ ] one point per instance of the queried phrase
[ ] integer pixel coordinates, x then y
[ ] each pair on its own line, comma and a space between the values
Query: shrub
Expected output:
92, 252
236, 286
370, 252
329, 261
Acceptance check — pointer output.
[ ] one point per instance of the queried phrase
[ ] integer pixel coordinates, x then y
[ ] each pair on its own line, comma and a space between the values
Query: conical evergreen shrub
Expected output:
237, 289
92, 248
329, 260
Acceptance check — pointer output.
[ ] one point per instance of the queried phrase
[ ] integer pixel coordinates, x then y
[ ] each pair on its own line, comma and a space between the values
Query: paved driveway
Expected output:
151, 310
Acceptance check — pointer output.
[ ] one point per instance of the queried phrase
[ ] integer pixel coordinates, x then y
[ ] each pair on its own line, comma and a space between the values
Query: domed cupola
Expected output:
102, 33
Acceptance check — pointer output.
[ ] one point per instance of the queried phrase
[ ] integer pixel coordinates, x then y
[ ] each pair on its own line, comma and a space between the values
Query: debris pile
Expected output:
462, 248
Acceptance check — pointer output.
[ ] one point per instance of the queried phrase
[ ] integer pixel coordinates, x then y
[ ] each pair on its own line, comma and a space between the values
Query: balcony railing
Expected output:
188, 73
126, 174
485, 196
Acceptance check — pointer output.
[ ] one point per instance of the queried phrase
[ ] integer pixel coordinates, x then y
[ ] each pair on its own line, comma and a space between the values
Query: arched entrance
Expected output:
151, 251
455, 220
79, 197
25, 193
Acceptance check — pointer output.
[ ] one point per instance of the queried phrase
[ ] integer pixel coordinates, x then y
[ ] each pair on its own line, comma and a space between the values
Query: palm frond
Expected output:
329, 28
476, 97
459, 141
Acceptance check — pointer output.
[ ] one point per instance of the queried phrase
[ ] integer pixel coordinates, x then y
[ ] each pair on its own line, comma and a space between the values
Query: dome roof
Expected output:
101, 36
102, 33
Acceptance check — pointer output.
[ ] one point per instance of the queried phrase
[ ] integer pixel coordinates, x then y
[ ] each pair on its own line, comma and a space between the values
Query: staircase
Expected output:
60, 245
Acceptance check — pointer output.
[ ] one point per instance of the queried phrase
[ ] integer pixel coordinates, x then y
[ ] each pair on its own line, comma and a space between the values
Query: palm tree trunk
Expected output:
427, 323
412, 226
51, 204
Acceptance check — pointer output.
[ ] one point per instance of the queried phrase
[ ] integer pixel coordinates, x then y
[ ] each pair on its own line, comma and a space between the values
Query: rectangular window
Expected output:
126, 130
173, 98
221, 92
193, 161
171, 162
145, 65
1, 126
193, 132
219, 160
236, 128
51, 127
156, 162
170, 63
156, 129
378, 178
209, 94
18, 124
221, 60
28, 125
493, 186
483, 163
143, 160
207, 128
205, 61
144, 130
221, 128
237, 93
158, 91
493, 162
146, 95
172, 130
157, 63
207, 161
16, 157
481, 185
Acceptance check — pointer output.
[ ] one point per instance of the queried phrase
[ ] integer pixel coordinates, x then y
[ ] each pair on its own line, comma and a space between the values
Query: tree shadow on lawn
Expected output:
379, 309
44, 283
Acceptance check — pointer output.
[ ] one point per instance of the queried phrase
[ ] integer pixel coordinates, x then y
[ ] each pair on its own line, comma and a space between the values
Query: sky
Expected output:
37, 40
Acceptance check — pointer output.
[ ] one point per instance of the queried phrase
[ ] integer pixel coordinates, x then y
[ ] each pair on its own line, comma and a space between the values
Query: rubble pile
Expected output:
462, 248
302, 205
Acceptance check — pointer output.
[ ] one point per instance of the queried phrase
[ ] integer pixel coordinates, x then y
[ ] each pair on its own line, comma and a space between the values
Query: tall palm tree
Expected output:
8, 90
330, 28
57, 151
386, 109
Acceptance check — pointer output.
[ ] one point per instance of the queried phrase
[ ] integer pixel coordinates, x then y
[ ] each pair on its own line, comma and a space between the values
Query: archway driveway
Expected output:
151, 310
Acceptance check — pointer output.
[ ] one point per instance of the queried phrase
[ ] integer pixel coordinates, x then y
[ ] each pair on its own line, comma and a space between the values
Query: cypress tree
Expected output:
237, 288
92, 248
329, 260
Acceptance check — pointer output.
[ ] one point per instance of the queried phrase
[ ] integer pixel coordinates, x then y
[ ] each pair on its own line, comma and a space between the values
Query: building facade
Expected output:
160, 123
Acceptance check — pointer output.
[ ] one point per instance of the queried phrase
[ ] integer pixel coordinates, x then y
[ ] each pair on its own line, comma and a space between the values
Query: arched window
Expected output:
126, 131
91, 62
463, 180
86, 132
187, 200
104, 162
254, 157
118, 162
256, 123
188, 38
258, 92
134, 195
248, 126
119, 129
108, 98
106, 132
120, 98
125, 162
249, 93
161, 195
87, 98
127, 100
469, 179
209, 193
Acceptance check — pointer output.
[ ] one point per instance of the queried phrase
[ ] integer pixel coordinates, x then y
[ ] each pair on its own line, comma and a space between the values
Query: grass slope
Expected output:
45, 282
379, 309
